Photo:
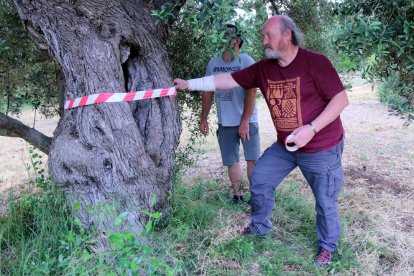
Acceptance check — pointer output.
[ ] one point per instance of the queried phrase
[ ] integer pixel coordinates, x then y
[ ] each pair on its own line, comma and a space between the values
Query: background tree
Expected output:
380, 34
314, 19
27, 76
27, 73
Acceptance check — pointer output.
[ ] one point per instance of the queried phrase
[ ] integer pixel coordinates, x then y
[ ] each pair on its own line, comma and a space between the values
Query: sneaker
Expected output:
247, 231
324, 258
237, 199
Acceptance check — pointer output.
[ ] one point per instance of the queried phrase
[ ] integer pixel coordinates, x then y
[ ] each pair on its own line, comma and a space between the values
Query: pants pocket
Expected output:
335, 179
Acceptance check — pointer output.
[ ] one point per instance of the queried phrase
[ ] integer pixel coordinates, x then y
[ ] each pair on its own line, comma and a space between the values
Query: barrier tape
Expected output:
120, 97
290, 146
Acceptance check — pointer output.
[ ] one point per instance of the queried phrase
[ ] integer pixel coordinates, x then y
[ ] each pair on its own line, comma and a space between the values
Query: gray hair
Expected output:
287, 24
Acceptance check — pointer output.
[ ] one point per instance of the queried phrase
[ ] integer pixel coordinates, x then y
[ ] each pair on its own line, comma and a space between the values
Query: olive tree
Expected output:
117, 153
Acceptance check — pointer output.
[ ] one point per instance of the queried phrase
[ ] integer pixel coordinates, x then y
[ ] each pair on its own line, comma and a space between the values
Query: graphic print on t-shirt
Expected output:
226, 95
283, 98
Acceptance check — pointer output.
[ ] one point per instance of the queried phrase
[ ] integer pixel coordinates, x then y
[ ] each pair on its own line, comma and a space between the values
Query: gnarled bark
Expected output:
113, 153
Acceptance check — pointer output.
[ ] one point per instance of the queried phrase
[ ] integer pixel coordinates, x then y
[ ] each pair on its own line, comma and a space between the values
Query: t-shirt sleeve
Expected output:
247, 77
326, 78
209, 69
247, 61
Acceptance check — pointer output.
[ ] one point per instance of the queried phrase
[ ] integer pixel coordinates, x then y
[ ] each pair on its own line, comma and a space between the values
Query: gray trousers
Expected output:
324, 174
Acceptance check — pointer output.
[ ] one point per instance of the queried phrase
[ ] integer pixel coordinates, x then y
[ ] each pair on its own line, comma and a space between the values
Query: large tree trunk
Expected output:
117, 154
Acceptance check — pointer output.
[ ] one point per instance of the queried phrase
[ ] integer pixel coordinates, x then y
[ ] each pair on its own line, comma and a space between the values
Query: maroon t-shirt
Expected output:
297, 94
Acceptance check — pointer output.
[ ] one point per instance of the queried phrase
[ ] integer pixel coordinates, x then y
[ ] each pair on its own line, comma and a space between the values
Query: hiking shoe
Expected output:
324, 258
247, 231
237, 199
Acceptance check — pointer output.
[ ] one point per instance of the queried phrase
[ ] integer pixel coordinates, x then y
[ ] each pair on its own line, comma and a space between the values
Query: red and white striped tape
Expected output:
120, 97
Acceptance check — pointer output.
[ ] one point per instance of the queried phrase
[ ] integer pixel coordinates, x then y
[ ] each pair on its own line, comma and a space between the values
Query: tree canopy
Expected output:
381, 35
27, 74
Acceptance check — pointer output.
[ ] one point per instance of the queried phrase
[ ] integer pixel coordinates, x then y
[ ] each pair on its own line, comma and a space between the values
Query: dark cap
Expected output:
234, 31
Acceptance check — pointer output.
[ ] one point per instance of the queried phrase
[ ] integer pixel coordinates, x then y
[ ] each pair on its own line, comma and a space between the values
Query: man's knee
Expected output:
326, 207
251, 162
260, 183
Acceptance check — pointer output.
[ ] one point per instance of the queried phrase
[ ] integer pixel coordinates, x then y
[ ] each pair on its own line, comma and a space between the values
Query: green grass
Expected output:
193, 238
34, 236
39, 236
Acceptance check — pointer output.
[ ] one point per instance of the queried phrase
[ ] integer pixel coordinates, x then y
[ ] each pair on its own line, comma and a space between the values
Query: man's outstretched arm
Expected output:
210, 83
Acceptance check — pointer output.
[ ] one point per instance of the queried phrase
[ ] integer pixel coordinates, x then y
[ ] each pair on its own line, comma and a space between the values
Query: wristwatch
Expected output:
313, 128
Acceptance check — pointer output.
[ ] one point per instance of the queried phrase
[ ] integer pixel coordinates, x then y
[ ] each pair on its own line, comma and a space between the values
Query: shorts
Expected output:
229, 142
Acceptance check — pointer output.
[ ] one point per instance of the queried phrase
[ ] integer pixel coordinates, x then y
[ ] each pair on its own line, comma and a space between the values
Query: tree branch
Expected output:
13, 128
274, 7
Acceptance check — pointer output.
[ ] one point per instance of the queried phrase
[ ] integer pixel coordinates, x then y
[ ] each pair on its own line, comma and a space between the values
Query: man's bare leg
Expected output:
235, 175
250, 167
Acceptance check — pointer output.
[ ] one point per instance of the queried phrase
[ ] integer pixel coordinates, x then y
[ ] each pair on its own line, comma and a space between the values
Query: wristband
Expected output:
202, 84
313, 128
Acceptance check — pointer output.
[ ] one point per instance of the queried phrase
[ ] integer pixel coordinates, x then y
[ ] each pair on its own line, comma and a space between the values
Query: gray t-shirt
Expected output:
230, 102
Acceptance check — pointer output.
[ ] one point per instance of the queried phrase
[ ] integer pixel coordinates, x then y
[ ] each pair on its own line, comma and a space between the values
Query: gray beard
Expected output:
271, 54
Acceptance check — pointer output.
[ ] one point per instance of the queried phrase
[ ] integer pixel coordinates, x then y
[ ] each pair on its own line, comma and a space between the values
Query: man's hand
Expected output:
180, 84
204, 127
303, 135
244, 130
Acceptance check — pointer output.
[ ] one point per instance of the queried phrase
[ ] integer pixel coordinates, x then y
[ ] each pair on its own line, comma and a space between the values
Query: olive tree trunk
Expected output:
112, 154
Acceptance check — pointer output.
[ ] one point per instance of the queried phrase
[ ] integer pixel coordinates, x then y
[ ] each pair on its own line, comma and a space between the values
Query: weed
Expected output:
363, 157
40, 236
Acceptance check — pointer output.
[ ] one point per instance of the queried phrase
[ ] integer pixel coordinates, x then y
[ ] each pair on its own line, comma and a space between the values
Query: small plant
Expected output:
37, 166
132, 253
40, 236
363, 157
129, 254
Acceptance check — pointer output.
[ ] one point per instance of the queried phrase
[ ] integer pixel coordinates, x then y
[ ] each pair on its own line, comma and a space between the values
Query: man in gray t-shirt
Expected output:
236, 111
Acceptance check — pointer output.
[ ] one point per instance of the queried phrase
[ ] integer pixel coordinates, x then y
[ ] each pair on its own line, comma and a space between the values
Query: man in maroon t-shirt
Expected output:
305, 97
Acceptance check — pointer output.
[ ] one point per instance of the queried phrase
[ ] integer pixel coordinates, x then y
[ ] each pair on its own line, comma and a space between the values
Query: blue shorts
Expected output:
229, 142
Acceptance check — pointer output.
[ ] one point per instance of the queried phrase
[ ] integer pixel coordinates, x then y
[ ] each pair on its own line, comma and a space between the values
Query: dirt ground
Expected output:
379, 175
15, 168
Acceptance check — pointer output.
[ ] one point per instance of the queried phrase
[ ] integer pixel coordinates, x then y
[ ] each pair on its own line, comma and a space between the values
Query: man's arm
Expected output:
225, 81
210, 83
249, 102
334, 108
206, 103
331, 111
